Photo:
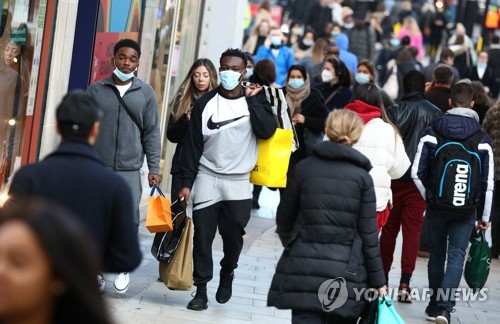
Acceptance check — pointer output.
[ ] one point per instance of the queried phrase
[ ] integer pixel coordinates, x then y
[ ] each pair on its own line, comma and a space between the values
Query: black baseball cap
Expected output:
78, 111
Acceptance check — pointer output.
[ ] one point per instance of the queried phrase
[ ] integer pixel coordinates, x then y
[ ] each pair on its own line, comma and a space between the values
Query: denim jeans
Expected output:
448, 240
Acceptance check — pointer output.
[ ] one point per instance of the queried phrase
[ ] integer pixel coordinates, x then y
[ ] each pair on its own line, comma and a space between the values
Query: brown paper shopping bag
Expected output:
159, 216
178, 273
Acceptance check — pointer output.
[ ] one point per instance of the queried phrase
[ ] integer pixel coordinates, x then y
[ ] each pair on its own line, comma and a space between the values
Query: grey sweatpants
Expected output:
133, 178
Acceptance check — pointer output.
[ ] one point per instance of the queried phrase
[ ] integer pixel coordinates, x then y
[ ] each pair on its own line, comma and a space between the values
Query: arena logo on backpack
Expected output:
457, 180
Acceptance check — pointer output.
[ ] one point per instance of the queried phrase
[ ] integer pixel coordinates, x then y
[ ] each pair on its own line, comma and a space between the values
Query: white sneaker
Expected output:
122, 281
101, 283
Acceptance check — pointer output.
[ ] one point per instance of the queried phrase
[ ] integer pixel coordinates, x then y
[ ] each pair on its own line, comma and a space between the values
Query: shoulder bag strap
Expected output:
330, 97
127, 109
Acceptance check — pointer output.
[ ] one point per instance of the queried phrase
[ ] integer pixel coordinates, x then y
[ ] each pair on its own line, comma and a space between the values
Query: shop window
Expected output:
19, 23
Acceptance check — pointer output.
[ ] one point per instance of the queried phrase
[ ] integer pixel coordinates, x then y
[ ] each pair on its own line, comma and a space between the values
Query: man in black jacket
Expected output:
412, 116
75, 177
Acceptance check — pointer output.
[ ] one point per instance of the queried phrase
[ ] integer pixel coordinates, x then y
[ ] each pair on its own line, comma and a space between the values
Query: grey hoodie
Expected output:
466, 112
119, 142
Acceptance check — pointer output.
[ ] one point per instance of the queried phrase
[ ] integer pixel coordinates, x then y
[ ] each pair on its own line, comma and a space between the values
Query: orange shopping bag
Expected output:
159, 217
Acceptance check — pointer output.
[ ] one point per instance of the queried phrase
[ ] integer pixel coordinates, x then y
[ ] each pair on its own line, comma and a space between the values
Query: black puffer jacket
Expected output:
327, 219
413, 115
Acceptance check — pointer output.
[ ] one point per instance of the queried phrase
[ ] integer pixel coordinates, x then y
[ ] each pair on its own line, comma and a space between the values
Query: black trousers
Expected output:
231, 217
306, 317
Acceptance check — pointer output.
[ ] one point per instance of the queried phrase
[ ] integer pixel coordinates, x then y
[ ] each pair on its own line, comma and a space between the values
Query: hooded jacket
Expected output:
380, 143
457, 124
327, 222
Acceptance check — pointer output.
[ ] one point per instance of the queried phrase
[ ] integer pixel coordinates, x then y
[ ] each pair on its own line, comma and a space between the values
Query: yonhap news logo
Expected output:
333, 294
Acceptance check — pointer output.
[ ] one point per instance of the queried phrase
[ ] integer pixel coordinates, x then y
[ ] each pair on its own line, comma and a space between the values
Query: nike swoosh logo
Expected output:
202, 202
216, 125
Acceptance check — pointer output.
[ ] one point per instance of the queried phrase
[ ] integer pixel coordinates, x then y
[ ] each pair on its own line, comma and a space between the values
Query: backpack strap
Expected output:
476, 137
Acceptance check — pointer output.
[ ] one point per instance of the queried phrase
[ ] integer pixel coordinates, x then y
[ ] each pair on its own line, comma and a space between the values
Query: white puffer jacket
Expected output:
386, 152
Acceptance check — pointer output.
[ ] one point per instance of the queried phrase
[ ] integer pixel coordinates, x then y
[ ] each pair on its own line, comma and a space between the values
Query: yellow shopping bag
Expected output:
159, 216
272, 161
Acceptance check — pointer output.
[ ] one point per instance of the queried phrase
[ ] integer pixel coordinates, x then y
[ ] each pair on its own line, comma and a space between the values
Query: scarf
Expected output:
294, 97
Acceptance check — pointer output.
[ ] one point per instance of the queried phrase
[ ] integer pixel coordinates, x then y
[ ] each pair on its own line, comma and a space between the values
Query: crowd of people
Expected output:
370, 116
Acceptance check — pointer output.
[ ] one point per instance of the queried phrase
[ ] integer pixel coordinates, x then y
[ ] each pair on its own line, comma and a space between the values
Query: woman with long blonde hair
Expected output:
410, 28
201, 78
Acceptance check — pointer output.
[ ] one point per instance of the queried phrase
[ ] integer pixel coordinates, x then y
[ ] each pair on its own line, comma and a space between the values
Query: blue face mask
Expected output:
394, 42
229, 79
334, 34
296, 83
122, 76
362, 78
349, 26
249, 73
276, 40
482, 65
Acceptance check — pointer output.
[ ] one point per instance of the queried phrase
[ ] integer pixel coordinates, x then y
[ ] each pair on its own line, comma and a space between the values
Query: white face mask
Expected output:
326, 76
308, 42
297, 31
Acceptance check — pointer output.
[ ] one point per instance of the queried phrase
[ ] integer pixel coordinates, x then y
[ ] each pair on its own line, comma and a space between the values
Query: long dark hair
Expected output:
370, 94
70, 254
341, 72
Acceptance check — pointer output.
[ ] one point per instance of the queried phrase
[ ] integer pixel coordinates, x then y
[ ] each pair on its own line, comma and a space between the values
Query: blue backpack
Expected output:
456, 182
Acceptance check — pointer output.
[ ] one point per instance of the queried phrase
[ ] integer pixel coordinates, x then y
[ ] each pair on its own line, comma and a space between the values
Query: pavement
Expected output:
149, 301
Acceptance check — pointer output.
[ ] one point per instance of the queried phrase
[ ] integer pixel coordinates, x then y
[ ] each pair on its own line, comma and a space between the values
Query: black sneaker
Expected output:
443, 317
200, 300
225, 290
431, 311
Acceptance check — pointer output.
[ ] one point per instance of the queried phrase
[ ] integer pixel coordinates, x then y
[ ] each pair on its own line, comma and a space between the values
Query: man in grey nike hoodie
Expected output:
219, 152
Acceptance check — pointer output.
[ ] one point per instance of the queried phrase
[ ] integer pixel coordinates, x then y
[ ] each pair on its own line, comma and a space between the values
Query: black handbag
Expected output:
370, 315
165, 243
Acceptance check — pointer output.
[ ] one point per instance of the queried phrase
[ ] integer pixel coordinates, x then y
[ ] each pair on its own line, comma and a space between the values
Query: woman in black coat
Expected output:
336, 84
327, 223
308, 111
